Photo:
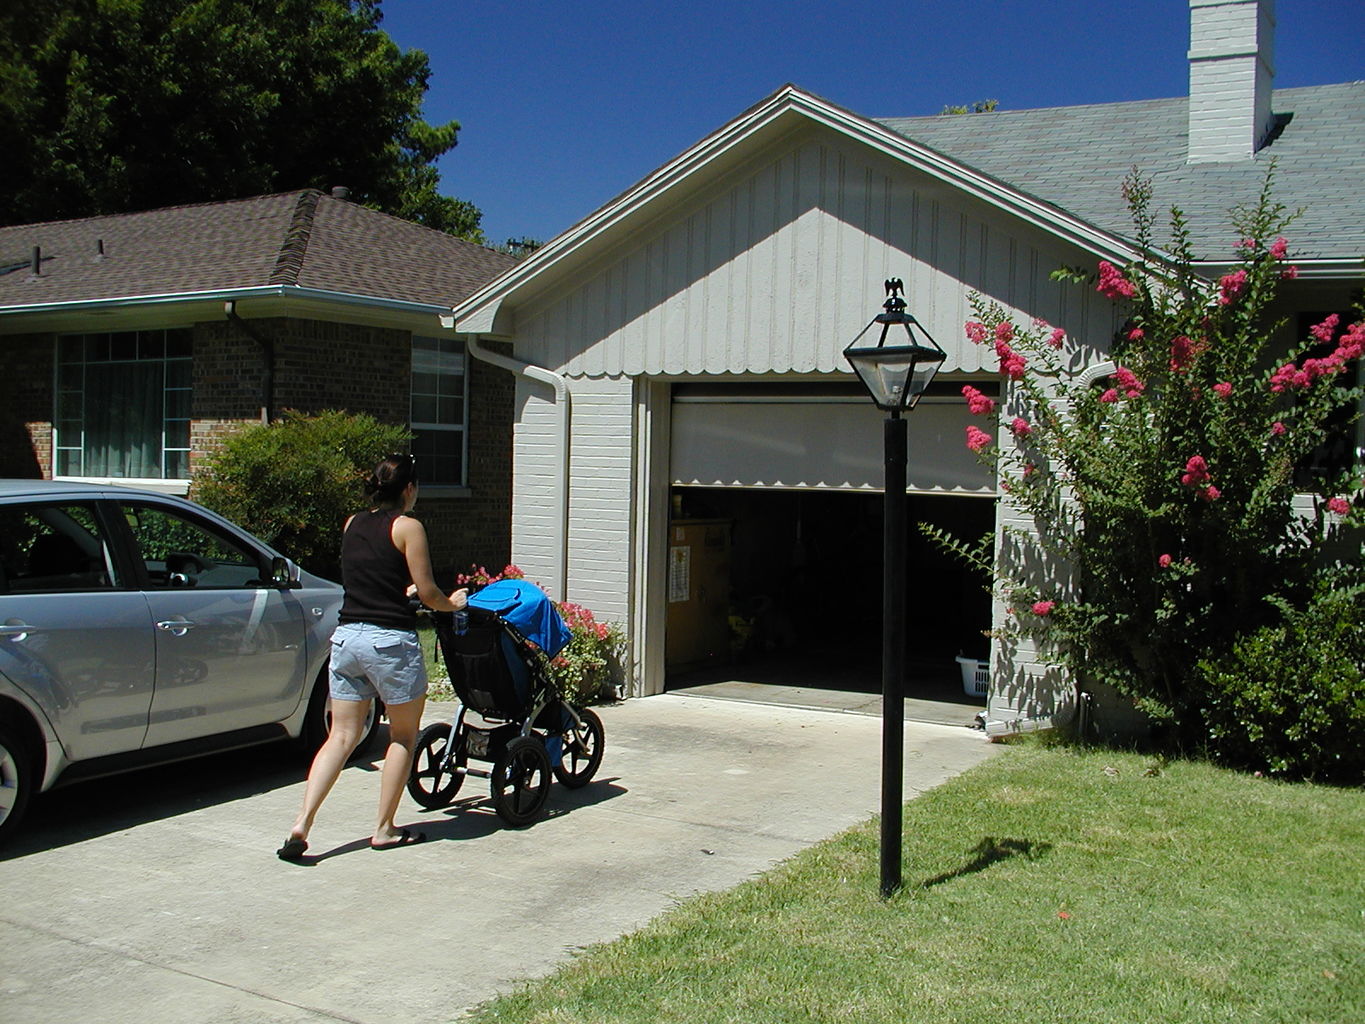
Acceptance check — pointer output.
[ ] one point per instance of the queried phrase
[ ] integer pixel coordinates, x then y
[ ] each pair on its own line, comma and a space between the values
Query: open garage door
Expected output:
775, 546
748, 437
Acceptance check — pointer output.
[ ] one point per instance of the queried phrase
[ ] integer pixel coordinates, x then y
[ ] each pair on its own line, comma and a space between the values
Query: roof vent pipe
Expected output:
36, 267
99, 248
341, 192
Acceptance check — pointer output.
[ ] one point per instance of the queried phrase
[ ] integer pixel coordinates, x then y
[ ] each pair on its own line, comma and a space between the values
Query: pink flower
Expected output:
1020, 427
1128, 381
1164, 561
1013, 367
976, 331
977, 403
1279, 247
1030, 470
1223, 390
1112, 283
1210, 493
1289, 273
1056, 338
1277, 428
1043, 607
1352, 344
1326, 330
1231, 286
1004, 331
1136, 334
1245, 243
977, 439
1196, 472
1339, 505
1110, 396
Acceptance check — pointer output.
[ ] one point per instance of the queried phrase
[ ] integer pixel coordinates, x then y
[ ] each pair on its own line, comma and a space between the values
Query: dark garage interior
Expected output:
786, 587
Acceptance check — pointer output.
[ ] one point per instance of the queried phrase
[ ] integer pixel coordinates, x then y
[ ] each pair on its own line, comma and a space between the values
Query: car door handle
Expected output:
15, 631
176, 627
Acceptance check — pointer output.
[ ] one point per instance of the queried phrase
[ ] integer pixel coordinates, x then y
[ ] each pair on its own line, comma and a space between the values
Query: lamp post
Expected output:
895, 375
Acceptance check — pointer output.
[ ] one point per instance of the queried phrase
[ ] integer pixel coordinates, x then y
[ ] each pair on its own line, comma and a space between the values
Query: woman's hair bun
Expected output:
391, 477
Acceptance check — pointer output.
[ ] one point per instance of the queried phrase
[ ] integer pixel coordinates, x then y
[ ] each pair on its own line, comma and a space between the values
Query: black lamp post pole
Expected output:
893, 652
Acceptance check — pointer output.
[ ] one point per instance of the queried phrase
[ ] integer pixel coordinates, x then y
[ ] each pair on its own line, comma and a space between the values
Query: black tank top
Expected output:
375, 573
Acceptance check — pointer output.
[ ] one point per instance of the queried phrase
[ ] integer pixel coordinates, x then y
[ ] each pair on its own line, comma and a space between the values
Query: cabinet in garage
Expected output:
698, 620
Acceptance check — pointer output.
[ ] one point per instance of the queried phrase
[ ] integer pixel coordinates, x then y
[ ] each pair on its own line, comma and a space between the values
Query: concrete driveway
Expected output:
156, 897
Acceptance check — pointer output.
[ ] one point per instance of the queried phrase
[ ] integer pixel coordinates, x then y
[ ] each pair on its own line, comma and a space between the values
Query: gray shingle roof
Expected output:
301, 238
1075, 158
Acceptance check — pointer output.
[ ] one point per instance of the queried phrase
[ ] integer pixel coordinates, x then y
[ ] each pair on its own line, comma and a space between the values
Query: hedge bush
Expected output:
1289, 699
293, 482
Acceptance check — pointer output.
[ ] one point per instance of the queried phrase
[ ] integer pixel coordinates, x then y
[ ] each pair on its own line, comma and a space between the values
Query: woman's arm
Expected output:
410, 537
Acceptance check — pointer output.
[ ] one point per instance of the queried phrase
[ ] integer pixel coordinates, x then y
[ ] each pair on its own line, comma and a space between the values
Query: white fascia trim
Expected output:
475, 315
273, 291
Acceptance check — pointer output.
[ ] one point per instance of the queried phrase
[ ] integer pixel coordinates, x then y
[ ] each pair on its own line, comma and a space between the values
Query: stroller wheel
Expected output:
431, 783
521, 781
582, 751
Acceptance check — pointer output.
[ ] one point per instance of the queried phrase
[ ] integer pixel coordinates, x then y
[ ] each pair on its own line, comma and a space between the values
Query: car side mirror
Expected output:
284, 574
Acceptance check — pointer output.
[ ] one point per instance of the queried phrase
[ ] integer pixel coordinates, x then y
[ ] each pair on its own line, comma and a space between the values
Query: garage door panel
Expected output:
823, 445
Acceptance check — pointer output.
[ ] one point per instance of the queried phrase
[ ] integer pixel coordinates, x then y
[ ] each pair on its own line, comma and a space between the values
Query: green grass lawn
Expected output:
1046, 885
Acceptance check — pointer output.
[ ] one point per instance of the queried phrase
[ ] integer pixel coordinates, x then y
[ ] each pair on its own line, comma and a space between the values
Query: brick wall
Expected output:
26, 397
318, 365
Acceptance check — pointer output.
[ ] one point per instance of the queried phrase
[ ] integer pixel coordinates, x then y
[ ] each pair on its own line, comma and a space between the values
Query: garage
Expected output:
775, 540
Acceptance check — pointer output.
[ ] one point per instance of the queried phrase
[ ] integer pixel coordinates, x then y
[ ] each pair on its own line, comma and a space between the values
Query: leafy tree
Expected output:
115, 105
1163, 496
979, 107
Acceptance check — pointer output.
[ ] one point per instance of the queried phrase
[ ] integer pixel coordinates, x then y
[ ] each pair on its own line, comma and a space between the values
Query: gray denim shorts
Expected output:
370, 661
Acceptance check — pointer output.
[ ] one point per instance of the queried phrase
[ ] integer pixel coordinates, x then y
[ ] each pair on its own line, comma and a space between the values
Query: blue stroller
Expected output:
499, 664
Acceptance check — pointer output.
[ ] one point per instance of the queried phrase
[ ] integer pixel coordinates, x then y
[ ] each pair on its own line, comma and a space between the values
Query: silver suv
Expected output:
138, 628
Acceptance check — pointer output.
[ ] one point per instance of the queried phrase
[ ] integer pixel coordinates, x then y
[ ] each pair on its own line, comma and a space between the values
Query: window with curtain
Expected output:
123, 405
439, 409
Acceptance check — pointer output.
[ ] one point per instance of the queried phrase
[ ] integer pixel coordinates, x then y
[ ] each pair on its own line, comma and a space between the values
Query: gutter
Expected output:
529, 371
274, 291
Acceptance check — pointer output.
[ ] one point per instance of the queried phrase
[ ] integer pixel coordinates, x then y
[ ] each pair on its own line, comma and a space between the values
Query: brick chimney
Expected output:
1231, 70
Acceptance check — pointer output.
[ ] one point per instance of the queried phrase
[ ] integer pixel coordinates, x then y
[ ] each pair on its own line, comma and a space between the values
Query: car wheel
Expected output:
18, 780
319, 721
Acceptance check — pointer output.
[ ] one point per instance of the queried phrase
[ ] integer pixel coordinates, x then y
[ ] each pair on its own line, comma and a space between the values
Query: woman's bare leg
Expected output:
404, 721
348, 725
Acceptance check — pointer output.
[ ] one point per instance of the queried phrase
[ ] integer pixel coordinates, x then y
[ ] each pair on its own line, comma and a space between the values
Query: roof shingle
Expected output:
303, 238
1075, 158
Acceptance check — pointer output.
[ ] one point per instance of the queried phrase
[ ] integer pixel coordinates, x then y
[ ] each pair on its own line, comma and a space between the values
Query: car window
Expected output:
53, 547
182, 552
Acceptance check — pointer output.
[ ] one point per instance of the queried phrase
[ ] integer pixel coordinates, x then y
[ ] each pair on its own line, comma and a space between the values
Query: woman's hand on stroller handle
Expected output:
458, 599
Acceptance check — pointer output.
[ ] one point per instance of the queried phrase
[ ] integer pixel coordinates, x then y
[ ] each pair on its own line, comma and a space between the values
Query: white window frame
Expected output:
459, 430
165, 484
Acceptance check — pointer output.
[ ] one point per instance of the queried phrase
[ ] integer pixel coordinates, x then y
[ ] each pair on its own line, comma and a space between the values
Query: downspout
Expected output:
268, 350
529, 371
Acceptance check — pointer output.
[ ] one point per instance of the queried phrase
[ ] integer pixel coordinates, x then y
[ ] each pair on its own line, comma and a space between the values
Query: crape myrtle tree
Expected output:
108, 106
1169, 557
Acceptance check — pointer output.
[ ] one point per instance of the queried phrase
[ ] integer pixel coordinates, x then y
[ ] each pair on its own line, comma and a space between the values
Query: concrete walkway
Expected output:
156, 897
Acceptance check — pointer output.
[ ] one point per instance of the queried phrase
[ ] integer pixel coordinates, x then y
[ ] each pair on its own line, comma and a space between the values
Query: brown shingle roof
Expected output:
300, 238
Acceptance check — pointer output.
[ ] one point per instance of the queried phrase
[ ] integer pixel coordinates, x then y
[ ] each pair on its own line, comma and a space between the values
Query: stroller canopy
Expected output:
528, 609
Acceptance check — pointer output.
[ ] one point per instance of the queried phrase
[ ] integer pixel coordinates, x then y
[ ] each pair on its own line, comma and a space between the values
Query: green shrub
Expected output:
293, 482
1289, 699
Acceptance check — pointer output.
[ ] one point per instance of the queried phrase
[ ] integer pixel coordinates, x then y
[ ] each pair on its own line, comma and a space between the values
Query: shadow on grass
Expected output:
987, 852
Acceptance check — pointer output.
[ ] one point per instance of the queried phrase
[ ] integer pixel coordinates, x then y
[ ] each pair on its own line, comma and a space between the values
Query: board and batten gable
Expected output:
774, 270
767, 273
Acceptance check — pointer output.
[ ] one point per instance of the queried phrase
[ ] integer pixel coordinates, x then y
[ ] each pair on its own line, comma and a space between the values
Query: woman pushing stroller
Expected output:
385, 560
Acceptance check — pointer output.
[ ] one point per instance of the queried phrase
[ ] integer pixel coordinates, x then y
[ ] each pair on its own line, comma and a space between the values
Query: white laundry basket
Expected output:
976, 676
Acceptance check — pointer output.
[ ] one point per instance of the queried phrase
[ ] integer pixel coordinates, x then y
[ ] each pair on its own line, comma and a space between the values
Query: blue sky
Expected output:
565, 105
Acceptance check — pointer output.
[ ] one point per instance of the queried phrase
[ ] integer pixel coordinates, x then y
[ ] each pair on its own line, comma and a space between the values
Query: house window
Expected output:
123, 405
440, 409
